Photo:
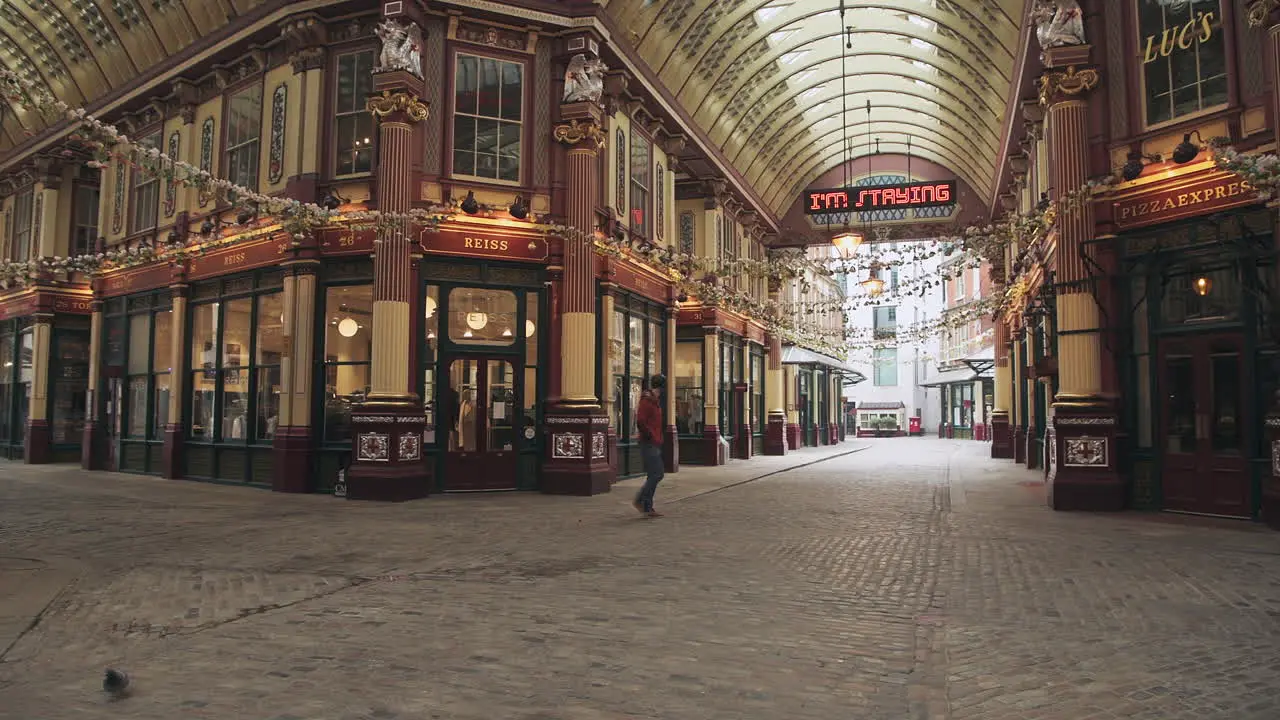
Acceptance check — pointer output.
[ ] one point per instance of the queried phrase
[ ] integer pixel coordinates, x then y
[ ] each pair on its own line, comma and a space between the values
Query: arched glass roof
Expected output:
81, 50
763, 78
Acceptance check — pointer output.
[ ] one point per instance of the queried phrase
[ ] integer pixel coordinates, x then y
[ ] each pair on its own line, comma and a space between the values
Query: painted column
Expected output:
305, 37
293, 442
93, 438
1001, 432
37, 447
775, 432
577, 461
607, 304
1266, 14
171, 456
711, 448
388, 462
1081, 434
671, 446
1019, 396
789, 388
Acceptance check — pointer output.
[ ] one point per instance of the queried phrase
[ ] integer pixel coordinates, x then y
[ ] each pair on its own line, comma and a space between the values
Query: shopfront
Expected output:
636, 347
483, 367
1198, 367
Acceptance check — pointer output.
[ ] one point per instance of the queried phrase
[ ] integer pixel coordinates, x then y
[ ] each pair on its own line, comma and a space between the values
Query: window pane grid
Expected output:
244, 125
487, 123
354, 125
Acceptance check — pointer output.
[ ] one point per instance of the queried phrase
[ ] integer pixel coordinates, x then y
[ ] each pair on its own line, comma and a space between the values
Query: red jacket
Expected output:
649, 420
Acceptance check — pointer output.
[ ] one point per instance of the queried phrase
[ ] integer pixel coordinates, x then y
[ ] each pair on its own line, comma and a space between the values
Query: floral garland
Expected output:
1262, 170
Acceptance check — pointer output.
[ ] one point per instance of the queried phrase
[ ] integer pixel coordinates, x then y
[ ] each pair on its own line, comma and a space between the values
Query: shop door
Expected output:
482, 397
1203, 426
111, 411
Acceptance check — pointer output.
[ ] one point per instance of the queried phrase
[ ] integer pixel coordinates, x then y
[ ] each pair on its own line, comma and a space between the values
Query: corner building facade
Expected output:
478, 353
1138, 366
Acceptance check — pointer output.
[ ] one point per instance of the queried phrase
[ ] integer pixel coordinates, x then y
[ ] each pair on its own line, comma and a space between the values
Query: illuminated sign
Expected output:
1199, 198
864, 199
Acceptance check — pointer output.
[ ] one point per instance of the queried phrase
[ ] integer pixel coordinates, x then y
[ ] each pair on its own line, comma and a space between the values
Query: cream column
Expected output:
38, 447
91, 454
584, 139
606, 361
299, 322
173, 432
1064, 94
397, 112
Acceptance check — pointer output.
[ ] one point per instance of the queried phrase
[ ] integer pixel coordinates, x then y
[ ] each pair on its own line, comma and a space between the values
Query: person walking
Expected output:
649, 425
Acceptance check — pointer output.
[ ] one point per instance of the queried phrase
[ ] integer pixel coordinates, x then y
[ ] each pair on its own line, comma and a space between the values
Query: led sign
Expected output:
864, 199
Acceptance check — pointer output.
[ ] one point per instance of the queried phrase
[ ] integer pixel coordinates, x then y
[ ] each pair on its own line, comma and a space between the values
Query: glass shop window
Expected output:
144, 197
690, 413
348, 347
147, 371
488, 109
236, 348
22, 224
478, 316
1183, 55
70, 385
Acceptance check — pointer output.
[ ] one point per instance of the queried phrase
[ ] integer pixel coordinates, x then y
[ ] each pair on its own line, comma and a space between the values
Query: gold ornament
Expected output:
574, 132
388, 102
1259, 10
1071, 82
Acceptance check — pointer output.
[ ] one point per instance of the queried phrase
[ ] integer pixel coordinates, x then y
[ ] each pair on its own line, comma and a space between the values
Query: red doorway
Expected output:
482, 444
1202, 425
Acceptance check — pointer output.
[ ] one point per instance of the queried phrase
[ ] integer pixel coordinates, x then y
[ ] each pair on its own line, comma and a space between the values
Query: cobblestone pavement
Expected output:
916, 579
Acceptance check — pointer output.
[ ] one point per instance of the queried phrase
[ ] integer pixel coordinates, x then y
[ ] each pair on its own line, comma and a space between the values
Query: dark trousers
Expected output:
652, 457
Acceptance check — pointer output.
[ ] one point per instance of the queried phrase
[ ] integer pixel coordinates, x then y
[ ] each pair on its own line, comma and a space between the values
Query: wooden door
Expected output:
1203, 421
482, 402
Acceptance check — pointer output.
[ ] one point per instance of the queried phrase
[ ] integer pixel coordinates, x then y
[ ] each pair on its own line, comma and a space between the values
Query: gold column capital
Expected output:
1073, 83
575, 132
390, 102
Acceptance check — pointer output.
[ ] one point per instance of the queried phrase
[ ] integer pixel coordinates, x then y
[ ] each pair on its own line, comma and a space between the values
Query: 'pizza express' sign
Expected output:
1189, 200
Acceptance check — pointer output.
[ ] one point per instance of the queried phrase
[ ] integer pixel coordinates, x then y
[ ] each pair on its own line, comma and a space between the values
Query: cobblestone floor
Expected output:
915, 579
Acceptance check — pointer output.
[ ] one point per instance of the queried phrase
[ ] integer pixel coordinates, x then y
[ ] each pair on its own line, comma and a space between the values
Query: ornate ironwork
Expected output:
574, 132
1070, 82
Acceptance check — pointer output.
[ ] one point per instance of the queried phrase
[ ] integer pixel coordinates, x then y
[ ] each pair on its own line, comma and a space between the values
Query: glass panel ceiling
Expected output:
765, 79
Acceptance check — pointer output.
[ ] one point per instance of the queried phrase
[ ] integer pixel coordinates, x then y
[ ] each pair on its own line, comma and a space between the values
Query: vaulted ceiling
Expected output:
767, 82
84, 49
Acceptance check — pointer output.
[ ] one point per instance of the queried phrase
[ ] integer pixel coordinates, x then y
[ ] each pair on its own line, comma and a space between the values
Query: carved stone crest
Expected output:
1059, 23
584, 79
1085, 452
401, 47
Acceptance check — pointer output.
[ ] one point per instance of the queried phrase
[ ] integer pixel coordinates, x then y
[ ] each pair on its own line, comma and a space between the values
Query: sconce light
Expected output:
348, 328
331, 201
1044, 203
174, 237
1186, 152
470, 205
246, 215
208, 226
518, 209
1202, 285
1134, 166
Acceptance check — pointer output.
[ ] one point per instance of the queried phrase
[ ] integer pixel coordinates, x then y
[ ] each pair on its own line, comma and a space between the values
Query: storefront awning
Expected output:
881, 406
796, 355
983, 364
962, 374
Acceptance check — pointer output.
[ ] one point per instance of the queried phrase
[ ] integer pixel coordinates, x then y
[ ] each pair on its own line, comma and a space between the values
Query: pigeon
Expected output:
116, 683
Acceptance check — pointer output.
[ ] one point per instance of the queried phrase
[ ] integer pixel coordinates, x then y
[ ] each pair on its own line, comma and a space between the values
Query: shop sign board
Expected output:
1186, 200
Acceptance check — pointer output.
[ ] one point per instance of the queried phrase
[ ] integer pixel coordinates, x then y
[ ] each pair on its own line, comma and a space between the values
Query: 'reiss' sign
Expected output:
900, 196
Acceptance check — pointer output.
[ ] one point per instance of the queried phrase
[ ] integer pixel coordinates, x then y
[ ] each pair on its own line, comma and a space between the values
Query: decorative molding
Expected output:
1117, 84
1275, 458
389, 102
620, 189
307, 59
206, 155
1085, 421
275, 149
117, 199
1260, 11
660, 190
1057, 85
170, 187
597, 446
575, 131
542, 96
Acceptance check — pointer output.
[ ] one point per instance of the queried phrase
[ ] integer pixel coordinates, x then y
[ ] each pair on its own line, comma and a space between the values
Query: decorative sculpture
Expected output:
584, 79
1059, 23
401, 47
